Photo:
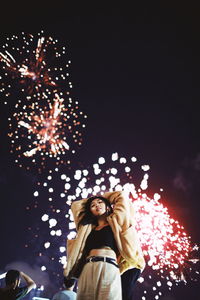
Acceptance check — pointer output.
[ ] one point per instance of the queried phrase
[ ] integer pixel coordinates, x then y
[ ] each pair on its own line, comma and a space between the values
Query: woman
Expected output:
107, 241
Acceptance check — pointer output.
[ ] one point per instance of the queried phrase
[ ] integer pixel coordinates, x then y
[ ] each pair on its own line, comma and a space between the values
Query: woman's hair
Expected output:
12, 276
86, 215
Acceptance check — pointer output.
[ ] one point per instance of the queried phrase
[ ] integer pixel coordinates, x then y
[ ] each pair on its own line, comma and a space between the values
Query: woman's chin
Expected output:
100, 214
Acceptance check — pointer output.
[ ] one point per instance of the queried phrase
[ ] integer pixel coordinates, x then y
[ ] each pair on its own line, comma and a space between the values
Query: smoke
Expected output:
196, 162
187, 178
180, 182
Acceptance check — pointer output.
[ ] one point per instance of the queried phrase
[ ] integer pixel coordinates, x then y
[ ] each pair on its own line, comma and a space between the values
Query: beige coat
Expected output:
122, 224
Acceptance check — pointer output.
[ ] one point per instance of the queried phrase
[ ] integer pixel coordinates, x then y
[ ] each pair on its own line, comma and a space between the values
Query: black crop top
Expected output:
100, 238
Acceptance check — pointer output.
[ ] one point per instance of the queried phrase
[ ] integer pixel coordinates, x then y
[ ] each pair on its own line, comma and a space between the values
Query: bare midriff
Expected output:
108, 252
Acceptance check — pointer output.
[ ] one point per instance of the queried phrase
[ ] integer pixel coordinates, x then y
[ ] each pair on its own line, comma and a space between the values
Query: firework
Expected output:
32, 64
167, 247
51, 131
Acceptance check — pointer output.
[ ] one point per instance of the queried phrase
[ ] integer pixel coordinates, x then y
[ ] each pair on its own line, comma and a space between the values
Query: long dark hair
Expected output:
86, 215
12, 276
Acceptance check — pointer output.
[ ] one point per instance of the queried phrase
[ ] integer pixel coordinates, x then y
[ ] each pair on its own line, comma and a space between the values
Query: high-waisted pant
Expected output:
99, 281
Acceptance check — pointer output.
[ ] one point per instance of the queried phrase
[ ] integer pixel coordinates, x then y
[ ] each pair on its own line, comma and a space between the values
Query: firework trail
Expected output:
40, 132
170, 255
33, 64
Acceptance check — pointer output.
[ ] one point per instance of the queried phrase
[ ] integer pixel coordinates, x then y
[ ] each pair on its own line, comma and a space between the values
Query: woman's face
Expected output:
98, 207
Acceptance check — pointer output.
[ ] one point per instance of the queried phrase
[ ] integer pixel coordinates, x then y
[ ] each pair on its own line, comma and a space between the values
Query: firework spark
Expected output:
167, 247
46, 127
32, 64
50, 131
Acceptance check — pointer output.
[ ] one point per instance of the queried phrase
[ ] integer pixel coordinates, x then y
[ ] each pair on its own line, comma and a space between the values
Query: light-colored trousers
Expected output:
99, 281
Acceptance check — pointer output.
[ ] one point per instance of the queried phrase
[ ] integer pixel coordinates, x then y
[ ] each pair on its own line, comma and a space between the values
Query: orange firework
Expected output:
52, 131
31, 64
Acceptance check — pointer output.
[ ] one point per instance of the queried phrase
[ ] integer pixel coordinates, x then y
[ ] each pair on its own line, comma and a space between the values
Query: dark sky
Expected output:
135, 73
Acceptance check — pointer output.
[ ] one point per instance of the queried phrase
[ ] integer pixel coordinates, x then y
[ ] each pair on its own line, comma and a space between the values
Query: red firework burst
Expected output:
33, 64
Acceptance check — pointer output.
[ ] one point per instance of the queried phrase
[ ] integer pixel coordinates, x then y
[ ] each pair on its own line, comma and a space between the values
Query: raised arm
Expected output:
29, 281
123, 211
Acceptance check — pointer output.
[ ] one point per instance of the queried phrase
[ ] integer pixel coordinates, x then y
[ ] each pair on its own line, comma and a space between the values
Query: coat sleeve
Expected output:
75, 247
123, 226
123, 212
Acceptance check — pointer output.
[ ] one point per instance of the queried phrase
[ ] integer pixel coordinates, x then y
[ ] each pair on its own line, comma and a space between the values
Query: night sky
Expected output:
135, 73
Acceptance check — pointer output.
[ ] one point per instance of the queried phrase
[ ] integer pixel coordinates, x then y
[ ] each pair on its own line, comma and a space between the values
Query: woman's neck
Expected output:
102, 221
